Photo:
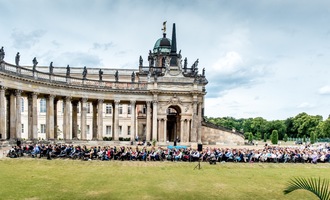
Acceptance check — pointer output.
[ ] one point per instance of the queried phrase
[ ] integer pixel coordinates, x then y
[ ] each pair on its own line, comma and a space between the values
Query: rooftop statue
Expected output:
84, 74
185, 64
116, 76
203, 73
133, 77
51, 68
2, 54
67, 71
100, 74
34, 62
140, 61
150, 59
17, 58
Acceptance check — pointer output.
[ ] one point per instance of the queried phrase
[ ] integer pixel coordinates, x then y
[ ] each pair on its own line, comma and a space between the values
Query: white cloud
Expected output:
306, 105
325, 90
231, 63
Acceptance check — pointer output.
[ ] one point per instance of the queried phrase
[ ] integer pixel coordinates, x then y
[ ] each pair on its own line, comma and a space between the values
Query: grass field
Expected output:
70, 179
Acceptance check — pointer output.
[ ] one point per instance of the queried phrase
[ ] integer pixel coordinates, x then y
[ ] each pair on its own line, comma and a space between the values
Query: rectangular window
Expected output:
120, 130
128, 130
88, 108
22, 128
108, 130
42, 105
144, 109
22, 104
120, 109
42, 128
144, 129
129, 109
108, 108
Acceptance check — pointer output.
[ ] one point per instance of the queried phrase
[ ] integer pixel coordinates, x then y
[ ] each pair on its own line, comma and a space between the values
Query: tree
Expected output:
285, 137
258, 136
304, 124
325, 128
250, 137
304, 138
265, 137
274, 137
313, 137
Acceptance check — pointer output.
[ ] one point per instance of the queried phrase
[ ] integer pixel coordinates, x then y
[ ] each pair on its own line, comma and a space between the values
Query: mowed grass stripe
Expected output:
71, 179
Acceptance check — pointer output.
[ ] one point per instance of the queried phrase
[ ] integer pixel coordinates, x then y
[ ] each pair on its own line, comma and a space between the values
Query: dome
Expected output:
162, 45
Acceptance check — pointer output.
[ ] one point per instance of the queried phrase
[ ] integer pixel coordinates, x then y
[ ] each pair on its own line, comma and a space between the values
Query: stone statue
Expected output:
203, 73
84, 74
133, 77
100, 74
150, 59
51, 68
185, 64
17, 59
179, 55
116, 76
67, 71
2, 54
34, 62
140, 61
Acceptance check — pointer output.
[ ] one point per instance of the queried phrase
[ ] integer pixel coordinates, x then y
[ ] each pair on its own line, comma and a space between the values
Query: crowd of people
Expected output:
276, 154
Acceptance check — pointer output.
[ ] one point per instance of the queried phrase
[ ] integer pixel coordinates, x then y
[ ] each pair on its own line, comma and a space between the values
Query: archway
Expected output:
173, 123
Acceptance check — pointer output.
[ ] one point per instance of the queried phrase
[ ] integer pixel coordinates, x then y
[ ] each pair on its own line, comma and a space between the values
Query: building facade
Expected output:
162, 99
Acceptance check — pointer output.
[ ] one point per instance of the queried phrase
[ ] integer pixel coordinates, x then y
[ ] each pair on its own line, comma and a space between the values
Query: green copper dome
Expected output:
162, 45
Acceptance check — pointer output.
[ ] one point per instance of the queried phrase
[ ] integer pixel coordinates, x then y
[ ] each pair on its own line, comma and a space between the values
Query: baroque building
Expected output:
162, 99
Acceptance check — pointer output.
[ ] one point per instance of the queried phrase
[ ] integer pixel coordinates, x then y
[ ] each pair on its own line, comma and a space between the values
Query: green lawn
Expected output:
71, 179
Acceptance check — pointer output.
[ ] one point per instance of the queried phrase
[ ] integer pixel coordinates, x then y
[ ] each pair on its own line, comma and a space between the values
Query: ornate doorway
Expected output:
173, 123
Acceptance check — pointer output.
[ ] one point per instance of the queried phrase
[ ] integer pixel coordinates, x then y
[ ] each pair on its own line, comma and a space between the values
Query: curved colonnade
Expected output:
158, 94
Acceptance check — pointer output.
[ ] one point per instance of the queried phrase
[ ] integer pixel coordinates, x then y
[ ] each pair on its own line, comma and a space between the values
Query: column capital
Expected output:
155, 101
84, 100
148, 102
100, 100
18, 92
133, 102
67, 98
117, 101
51, 96
2, 88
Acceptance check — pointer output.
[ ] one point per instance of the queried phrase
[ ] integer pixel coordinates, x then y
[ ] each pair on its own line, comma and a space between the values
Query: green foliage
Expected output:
313, 137
107, 138
325, 128
250, 137
258, 136
285, 138
265, 137
274, 137
304, 139
304, 124
316, 186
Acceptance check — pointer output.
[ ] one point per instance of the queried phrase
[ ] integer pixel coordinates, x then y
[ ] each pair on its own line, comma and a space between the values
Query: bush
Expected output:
265, 137
107, 138
274, 137
285, 138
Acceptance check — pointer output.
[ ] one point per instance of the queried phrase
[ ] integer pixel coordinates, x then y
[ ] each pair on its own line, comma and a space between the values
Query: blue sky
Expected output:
262, 58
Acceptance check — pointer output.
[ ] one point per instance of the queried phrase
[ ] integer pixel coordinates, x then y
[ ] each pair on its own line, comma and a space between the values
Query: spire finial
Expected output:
173, 47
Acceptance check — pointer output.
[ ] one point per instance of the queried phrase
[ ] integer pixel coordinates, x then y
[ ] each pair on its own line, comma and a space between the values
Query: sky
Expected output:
267, 59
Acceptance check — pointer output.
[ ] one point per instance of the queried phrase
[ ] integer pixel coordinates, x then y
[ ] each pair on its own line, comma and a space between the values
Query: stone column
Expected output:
50, 117
8, 130
159, 131
94, 120
12, 116
55, 119
148, 134
18, 113
199, 123
154, 119
2, 112
116, 120
33, 116
74, 117
133, 124
66, 118
100, 119
165, 130
194, 123
182, 130
83, 116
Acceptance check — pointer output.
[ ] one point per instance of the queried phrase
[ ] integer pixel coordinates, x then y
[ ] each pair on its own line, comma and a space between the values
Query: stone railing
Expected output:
67, 80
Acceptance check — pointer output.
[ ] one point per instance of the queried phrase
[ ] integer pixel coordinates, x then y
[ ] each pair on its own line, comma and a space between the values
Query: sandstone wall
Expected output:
212, 135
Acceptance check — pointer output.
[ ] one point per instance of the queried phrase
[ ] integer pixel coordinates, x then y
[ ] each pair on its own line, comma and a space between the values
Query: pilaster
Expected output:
100, 119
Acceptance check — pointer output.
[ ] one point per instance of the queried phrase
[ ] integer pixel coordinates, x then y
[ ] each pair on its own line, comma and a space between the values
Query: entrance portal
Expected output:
173, 124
